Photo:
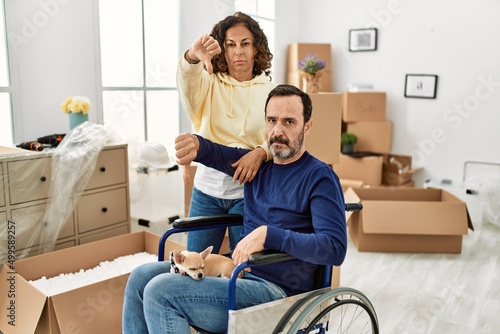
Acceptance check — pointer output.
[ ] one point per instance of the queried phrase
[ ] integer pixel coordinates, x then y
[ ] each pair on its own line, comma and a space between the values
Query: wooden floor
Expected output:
432, 293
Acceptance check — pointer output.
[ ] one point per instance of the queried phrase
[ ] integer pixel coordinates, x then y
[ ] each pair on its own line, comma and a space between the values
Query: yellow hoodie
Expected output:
225, 111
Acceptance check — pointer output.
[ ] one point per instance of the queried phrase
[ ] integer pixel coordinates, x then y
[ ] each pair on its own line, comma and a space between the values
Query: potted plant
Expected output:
310, 70
347, 141
77, 107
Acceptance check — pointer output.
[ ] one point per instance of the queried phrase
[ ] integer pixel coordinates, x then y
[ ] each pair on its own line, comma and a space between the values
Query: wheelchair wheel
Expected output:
342, 310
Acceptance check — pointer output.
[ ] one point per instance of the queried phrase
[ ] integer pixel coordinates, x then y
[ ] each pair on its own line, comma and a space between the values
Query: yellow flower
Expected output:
76, 104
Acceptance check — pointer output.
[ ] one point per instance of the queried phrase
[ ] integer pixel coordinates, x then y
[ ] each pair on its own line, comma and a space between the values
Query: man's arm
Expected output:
327, 243
190, 148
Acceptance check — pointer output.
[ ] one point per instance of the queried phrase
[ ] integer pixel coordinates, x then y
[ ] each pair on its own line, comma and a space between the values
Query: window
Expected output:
6, 137
139, 54
263, 12
139, 51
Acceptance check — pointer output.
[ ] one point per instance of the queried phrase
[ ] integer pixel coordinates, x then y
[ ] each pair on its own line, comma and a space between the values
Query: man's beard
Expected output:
289, 151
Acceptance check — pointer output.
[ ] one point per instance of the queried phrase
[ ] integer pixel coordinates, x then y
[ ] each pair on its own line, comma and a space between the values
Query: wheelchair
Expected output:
323, 310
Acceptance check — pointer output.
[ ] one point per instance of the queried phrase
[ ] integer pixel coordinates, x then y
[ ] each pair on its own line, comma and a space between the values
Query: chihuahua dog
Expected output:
198, 265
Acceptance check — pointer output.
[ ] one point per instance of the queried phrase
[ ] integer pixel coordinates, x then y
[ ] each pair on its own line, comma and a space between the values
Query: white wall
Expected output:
55, 57
452, 39
52, 52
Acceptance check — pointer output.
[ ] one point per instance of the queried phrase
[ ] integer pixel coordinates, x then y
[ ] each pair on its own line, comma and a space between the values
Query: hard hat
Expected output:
155, 155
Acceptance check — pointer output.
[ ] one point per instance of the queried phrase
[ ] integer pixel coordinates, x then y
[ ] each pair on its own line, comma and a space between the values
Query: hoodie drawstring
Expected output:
230, 113
243, 133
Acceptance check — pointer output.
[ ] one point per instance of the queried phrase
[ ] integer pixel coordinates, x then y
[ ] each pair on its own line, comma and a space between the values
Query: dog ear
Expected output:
178, 257
206, 252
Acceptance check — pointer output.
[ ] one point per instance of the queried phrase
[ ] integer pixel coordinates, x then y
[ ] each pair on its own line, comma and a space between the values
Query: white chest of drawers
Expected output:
102, 211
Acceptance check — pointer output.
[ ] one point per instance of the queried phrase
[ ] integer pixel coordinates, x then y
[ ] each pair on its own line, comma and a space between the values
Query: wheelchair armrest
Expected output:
267, 257
195, 224
205, 221
353, 206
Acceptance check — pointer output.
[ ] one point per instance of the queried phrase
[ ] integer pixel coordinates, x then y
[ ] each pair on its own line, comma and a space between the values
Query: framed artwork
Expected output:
421, 86
363, 39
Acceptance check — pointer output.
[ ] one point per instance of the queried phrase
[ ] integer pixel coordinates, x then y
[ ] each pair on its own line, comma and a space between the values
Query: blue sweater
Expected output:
302, 205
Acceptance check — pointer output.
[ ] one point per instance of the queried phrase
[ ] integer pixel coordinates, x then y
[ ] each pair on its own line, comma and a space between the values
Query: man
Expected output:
294, 205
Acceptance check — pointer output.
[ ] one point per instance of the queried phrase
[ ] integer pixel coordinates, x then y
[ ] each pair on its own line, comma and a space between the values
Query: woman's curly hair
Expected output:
263, 57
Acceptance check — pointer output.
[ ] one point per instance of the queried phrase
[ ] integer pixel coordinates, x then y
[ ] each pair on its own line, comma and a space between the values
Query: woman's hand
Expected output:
204, 48
248, 165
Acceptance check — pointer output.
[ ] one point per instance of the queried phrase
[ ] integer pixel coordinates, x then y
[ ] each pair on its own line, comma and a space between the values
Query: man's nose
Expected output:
278, 129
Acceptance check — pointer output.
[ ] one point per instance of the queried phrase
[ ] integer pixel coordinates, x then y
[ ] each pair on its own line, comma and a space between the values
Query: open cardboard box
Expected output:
397, 169
407, 220
349, 183
94, 308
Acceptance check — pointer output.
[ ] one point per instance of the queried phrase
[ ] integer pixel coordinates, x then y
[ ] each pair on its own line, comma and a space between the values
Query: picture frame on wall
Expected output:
363, 39
422, 86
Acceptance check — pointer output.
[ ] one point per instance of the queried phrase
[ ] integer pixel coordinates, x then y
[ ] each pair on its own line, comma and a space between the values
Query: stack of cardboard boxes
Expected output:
364, 114
399, 218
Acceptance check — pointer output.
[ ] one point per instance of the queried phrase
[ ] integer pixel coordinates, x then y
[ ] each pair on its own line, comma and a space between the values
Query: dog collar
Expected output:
173, 267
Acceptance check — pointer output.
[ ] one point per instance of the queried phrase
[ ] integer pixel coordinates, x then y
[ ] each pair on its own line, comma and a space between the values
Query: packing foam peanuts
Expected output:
106, 269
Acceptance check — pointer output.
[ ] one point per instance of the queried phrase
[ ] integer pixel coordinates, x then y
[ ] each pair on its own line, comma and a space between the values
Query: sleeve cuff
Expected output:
274, 238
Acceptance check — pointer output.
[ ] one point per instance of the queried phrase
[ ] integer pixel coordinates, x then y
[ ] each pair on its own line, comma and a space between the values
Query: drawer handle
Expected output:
104, 209
43, 179
102, 169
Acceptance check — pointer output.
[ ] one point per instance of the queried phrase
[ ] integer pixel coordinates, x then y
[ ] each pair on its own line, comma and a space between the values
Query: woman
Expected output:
223, 81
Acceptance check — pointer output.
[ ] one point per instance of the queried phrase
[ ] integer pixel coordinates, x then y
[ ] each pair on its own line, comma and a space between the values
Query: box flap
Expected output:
417, 218
401, 194
447, 196
49, 264
95, 308
26, 299
349, 183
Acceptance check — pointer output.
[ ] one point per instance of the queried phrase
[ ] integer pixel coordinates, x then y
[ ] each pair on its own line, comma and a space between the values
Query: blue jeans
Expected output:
206, 205
157, 301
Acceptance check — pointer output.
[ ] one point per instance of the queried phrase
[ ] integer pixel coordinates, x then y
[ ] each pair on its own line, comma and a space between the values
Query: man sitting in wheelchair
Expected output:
294, 205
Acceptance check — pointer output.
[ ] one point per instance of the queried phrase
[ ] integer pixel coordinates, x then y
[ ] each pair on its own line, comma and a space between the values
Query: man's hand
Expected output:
186, 148
248, 165
204, 48
252, 243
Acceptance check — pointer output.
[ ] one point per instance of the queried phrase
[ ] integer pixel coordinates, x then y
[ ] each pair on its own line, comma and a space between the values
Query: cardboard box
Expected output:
298, 51
397, 170
407, 220
94, 308
372, 136
348, 183
364, 107
367, 169
323, 141
409, 184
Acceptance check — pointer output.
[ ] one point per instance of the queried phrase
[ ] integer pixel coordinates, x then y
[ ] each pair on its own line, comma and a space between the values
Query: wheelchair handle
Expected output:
353, 207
